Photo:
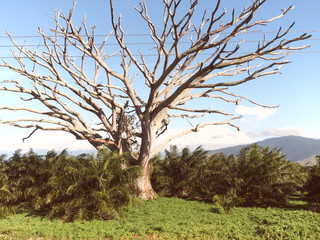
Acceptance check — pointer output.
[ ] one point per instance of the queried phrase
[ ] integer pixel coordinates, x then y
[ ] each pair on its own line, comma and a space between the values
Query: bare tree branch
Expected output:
30, 134
87, 97
195, 129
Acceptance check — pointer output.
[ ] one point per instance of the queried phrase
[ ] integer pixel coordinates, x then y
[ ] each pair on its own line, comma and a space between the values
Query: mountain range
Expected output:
296, 148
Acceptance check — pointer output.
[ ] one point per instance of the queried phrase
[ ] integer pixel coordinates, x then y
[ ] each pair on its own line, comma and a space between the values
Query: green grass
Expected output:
166, 218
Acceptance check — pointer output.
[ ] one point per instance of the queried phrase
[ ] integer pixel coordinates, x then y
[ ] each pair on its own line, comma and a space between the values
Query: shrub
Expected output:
24, 179
177, 174
69, 187
227, 202
257, 176
193, 174
216, 176
312, 185
265, 177
5, 193
89, 187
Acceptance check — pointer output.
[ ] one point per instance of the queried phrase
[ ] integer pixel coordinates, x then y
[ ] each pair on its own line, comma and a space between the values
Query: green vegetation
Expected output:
257, 177
172, 218
255, 195
71, 188
312, 186
265, 178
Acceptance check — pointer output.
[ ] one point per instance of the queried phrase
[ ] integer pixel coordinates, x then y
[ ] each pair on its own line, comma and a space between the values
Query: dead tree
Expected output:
73, 77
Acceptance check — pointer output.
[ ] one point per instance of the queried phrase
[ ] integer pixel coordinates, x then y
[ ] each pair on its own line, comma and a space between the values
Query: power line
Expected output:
155, 55
150, 43
147, 34
142, 43
146, 43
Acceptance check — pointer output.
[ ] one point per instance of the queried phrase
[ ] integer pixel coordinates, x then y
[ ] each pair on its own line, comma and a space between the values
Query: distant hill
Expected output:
44, 152
295, 147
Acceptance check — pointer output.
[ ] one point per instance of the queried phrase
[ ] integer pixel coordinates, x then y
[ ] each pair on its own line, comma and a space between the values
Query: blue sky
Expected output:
296, 90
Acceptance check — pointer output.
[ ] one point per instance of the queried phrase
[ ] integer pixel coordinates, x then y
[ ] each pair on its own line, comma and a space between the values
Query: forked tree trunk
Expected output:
142, 184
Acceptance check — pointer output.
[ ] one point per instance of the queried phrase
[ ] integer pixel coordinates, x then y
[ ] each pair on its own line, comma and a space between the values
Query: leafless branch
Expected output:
134, 104
30, 134
196, 129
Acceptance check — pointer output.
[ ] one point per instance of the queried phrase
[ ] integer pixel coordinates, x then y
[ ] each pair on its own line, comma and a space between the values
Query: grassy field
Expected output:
166, 218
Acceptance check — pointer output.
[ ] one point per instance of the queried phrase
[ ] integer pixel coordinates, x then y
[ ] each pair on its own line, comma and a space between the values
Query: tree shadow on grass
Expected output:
298, 201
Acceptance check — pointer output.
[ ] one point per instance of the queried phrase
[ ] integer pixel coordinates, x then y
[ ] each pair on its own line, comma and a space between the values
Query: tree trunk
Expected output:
143, 183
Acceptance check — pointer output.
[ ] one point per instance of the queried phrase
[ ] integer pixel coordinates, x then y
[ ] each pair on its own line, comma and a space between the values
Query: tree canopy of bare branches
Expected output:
73, 76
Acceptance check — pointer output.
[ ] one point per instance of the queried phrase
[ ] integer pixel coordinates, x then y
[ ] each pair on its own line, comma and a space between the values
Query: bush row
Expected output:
258, 176
65, 186
100, 186
312, 186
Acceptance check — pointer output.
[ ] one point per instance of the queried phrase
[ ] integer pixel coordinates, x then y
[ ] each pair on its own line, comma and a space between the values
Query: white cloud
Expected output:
216, 137
258, 112
278, 132
41, 140
314, 134
211, 137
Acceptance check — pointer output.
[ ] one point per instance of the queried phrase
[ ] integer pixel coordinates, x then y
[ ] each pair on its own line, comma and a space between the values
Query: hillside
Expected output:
295, 147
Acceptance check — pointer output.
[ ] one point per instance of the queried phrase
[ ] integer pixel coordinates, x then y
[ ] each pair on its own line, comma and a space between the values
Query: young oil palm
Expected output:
87, 186
177, 174
266, 178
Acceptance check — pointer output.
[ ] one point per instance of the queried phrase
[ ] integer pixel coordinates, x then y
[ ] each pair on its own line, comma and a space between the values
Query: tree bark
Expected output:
143, 185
